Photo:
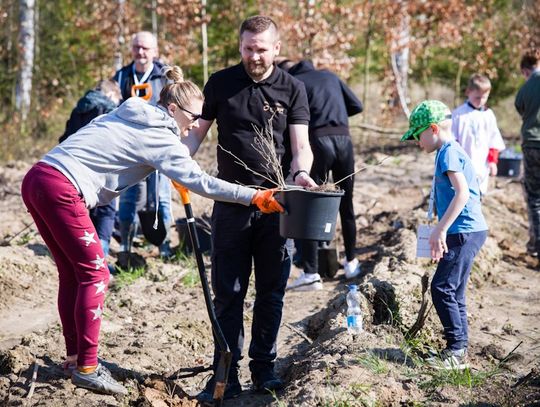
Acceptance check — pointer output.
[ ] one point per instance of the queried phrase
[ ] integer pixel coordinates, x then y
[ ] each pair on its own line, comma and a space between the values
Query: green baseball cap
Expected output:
425, 114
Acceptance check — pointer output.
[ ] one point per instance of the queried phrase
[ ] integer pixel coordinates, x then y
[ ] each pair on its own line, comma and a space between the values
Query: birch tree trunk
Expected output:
400, 55
367, 61
204, 35
154, 19
26, 57
120, 40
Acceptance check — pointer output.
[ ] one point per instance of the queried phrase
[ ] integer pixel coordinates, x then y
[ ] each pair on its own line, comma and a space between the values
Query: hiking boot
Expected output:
232, 390
100, 381
352, 268
266, 381
306, 282
449, 360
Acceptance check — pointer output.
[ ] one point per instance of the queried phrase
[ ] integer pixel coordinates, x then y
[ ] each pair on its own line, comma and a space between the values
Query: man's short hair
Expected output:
145, 34
530, 59
109, 86
258, 24
479, 82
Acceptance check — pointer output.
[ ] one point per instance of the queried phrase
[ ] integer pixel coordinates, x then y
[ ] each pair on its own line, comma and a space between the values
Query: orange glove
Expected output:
266, 202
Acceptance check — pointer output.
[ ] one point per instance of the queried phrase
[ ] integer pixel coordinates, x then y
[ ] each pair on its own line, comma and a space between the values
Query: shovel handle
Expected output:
184, 194
183, 191
224, 364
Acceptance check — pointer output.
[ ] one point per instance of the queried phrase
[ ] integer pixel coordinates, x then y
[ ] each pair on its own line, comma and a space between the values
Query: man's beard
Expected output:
256, 69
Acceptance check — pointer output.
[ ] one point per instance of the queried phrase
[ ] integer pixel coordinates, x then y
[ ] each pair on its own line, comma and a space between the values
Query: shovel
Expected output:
154, 236
222, 371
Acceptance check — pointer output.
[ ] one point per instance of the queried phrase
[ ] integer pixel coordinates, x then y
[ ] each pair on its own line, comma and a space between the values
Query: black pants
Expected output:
336, 154
242, 237
531, 179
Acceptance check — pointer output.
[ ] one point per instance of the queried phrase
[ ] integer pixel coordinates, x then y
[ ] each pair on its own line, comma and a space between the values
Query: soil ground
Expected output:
156, 336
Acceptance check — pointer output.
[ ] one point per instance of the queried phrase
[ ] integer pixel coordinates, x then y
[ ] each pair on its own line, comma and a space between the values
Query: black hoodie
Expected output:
331, 102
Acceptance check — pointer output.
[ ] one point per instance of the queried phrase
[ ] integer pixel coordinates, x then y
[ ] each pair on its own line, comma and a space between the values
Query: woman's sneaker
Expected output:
449, 360
306, 282
352, 268
100, 381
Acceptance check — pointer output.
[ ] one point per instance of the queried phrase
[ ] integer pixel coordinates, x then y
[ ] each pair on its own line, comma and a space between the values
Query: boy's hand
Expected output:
437, 242
492, 169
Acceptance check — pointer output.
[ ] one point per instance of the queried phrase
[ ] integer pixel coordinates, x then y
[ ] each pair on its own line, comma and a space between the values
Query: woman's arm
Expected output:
437, 240
196, 136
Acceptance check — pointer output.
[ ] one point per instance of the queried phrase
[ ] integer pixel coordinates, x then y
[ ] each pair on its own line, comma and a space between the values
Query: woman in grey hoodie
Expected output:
92, 167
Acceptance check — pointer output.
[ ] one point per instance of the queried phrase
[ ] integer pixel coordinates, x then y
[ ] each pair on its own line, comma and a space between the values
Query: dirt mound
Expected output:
157, 340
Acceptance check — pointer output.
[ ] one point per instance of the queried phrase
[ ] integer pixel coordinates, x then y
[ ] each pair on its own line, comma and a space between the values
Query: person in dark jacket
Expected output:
100, 100
144, 78
527, 104
331, 102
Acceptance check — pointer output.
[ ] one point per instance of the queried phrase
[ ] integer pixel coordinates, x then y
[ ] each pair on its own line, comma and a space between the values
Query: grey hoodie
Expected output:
119, 149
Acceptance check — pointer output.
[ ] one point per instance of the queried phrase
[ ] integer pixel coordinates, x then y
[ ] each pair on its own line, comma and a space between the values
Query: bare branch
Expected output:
362, 169
243, 164
33, 380
378, 129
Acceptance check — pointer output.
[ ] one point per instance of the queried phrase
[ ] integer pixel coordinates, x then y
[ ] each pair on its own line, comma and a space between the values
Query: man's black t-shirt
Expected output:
237, 103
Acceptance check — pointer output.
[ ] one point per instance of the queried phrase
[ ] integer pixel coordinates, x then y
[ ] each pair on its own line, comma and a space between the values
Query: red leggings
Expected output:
63, 221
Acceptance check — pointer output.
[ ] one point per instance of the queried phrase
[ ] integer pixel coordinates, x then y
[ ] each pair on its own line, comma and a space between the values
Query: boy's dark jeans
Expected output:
449, 284
531, 180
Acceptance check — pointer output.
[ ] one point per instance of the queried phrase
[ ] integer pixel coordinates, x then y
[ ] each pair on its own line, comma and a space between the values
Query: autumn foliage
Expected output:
79, 42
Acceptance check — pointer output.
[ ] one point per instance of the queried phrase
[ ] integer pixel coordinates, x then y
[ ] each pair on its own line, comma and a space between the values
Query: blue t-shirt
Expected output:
452, 157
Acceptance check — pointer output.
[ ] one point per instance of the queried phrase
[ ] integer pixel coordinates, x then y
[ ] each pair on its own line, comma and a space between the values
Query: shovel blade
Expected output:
154, 236
222, 375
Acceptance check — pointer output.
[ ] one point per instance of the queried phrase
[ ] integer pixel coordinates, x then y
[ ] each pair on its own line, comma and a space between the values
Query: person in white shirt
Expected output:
475, 128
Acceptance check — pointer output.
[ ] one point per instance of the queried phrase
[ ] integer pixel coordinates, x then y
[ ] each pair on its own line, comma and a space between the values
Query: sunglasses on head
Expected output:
194, 117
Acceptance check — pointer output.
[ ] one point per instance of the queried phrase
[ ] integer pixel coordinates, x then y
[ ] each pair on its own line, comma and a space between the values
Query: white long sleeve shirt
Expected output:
477, 132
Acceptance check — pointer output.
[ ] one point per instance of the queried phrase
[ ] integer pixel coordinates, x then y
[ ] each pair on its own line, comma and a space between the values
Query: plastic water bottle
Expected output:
354, 311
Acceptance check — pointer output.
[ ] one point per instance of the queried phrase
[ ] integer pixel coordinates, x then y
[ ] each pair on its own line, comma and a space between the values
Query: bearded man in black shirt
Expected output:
245, 95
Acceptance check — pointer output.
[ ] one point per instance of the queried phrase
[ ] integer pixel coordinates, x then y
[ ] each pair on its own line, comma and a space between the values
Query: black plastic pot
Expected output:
509, 167
309, 215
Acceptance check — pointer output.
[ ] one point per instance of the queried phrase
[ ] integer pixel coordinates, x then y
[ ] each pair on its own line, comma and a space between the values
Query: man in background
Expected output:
331, 102
528, 106
143, 77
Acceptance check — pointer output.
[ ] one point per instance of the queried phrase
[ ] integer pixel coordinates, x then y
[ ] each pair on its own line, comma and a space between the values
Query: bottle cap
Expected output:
353, 287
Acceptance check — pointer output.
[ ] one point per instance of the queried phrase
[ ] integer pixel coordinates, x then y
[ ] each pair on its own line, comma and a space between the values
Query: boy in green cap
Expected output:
461, 231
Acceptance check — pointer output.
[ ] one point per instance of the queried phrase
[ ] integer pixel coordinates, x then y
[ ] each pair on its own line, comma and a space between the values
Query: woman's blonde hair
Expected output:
179, 92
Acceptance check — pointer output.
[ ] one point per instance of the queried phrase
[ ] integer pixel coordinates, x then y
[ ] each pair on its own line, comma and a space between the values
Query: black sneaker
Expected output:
266, 381
232, 390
